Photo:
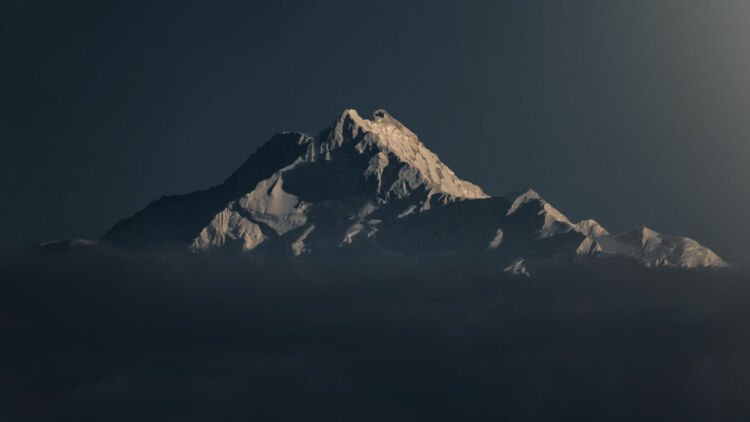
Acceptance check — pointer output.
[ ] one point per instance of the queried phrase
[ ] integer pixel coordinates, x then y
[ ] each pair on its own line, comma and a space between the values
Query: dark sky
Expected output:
631, 112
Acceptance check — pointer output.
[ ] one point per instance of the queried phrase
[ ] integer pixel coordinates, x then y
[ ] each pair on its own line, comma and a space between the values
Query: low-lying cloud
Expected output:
99, 335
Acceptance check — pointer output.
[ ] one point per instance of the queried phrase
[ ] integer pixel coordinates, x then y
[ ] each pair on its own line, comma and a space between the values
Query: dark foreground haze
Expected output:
98, 335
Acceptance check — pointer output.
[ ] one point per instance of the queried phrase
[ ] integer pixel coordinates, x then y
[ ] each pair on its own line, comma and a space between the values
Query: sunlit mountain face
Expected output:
371, 186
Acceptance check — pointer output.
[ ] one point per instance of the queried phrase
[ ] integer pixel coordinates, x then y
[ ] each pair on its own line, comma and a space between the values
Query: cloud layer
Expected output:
102, 335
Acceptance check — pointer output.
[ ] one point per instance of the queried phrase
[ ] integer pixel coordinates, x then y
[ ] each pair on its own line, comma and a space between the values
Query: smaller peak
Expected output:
527, 194
519, 198
348, 115
645, 231
589, 222
591, 228
647, 236
345, 127
349, 112
381, 114
301, 138
531, 194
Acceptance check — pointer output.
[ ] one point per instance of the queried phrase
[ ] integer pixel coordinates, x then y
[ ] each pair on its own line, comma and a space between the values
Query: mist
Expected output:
97, 334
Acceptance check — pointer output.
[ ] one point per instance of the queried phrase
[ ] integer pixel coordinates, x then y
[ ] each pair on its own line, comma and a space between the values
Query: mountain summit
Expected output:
370, 185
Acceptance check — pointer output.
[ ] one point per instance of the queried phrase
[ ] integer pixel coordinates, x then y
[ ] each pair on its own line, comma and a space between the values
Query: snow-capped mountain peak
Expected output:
372, 185
395, 142
591, 228
555, 222
654, 249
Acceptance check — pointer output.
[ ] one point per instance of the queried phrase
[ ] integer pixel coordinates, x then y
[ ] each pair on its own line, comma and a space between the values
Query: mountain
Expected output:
371, 186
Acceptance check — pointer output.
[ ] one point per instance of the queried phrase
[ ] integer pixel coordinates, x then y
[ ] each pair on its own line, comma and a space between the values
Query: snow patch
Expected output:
370, 228
352, 231
268, 203
228, 225
654, 249
298, 247
376, 167
408, 211
518, 267
495, 242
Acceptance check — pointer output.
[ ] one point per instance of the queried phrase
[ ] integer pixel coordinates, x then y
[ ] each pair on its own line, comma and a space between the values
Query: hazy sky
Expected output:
631, 113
